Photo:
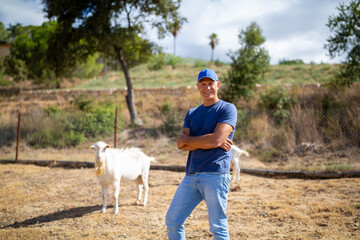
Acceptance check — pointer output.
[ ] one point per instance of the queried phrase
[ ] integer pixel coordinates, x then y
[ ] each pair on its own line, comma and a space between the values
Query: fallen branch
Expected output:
180, 168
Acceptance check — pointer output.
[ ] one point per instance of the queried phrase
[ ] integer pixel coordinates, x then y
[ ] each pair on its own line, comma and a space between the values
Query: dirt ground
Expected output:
54, 203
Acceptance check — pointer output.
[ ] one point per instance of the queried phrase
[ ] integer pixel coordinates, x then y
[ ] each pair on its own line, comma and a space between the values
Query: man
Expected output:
207, 135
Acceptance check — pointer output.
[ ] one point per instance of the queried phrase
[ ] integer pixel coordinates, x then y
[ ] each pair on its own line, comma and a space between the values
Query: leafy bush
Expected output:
219, 63
290, 62
61, 129
16, 68
156, 62
278, 101
268, 155
200, 63
56, 131
242, 125
3, 81
89, 68
171, 121
83, 103
172, 60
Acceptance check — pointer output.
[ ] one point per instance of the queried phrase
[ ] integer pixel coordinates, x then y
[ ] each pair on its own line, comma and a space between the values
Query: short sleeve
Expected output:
229, 115
187, 120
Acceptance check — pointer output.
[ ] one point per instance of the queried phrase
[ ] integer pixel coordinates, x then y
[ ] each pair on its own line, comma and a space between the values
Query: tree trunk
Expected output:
130, 97
174, 46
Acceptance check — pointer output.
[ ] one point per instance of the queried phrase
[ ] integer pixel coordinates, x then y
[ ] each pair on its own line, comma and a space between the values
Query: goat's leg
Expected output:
116, 196
104, 196
140, 189
146, 186
237, 169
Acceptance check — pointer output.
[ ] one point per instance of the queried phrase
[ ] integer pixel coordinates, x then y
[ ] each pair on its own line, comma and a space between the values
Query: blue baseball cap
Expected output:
209, 73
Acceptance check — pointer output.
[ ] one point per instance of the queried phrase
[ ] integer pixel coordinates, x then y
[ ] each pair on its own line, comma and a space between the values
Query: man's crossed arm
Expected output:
219, 138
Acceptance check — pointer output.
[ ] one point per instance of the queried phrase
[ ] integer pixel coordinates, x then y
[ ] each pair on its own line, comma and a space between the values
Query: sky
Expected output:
294, 29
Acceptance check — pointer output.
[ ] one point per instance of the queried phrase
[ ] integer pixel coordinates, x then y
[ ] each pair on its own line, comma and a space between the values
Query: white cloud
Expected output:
294, 29
19, 11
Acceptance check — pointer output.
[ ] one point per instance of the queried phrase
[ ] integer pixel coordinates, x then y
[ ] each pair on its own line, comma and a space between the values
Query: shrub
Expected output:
56, 131
290, 62
171, 121
278, 102
156, 62
58, 128
15, 68
200, 63
172, 60
268, 155
83, 103
89, 68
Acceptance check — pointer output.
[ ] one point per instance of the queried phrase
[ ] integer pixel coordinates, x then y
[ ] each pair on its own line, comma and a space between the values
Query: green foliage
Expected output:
346, 29
61, 129
173, 60
214, 40
200, 63
157, 62
249, 63
348, 74
97, 120
268, 155
171, 120
290, 62
174, 25
89, 68
246, 130
278, 102
83, 103
4, 34
56, 131
15, 68
219, 63
337, 167
107, 27
28, 52
4, 81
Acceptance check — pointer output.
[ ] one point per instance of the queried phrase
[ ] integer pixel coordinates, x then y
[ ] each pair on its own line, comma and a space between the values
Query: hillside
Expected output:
185, 75
319, 133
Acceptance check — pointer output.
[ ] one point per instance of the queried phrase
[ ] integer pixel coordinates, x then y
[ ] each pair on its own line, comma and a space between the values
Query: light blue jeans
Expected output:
211, 187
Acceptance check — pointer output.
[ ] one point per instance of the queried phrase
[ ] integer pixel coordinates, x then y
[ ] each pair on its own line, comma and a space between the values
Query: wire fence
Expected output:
297, 138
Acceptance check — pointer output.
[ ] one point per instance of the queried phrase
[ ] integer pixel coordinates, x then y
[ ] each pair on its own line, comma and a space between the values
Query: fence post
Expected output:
18, 139
116, 115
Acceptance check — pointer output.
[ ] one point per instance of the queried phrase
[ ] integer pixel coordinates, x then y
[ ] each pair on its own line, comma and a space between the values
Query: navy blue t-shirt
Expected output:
203, 120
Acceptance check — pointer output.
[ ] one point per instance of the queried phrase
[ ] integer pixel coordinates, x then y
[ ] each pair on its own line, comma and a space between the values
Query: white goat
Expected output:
113, 165
236, 153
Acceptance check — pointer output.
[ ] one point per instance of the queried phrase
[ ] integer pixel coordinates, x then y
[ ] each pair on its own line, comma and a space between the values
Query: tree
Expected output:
249, 63
3, 33
213, 42
346, 40
113, 27
28, 46
175, 25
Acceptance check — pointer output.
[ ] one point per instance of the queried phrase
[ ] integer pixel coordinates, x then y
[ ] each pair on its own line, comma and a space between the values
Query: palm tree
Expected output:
175, 26
213, 42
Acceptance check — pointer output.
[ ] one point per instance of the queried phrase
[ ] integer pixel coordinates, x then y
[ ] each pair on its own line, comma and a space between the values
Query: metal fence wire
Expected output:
275, 135
270, 136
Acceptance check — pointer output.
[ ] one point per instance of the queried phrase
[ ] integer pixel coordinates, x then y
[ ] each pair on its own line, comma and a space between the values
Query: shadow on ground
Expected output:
65, 214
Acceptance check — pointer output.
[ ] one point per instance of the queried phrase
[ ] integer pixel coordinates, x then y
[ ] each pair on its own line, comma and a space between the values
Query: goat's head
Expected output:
100, 149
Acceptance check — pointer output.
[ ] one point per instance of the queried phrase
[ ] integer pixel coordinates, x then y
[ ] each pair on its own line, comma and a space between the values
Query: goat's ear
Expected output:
92, 147
107, 146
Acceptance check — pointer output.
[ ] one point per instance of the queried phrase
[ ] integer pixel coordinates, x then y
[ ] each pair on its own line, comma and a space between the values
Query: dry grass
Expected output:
45, 203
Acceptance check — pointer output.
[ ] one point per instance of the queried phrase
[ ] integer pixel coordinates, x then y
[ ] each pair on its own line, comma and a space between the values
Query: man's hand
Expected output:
227, 145
181, 141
